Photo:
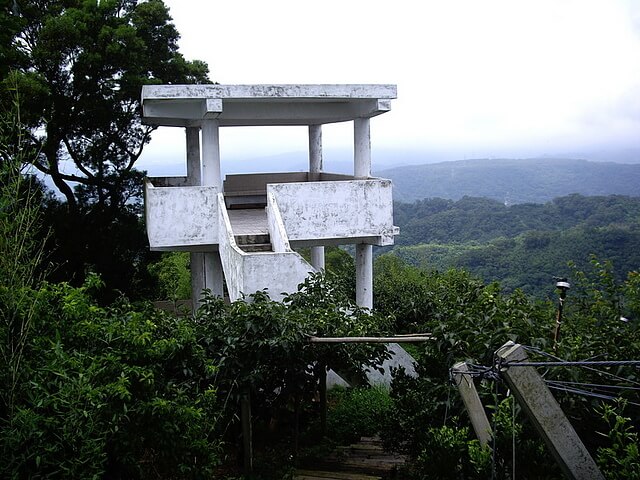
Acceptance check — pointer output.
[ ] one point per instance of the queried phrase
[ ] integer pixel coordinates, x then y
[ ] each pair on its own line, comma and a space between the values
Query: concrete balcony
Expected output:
315, 209
336, 212
180, 217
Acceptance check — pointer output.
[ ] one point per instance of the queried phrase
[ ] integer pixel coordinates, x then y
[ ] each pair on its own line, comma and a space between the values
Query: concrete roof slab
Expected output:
234, 105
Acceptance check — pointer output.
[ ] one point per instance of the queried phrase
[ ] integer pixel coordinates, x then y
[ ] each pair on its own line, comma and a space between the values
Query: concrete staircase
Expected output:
255, 252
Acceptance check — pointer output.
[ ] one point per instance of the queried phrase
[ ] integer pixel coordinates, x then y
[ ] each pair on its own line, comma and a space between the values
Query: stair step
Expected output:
255, 247
252, 239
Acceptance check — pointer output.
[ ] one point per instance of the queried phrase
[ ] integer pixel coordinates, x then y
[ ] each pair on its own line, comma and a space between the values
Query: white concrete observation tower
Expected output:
243, 229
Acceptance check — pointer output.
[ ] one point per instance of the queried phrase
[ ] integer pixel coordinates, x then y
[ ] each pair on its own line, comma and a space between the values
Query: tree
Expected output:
81, 64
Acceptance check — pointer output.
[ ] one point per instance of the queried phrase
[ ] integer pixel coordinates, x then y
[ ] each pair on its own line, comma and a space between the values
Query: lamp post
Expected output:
562, 285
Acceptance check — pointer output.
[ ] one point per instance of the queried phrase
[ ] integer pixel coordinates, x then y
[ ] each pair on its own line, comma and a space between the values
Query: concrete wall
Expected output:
277, 232
337, 210
181, 218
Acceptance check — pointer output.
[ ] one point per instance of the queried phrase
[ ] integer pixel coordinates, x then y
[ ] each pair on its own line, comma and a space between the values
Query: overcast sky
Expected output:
514, 78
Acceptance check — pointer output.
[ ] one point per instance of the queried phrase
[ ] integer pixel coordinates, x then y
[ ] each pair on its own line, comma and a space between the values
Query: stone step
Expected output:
253, 239
255, 247
324, 475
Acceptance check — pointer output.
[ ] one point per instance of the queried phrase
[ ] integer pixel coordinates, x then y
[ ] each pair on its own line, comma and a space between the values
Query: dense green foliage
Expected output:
469, 321
473, 219
536, 180
123, 391
357, 412
521, 246
261, 347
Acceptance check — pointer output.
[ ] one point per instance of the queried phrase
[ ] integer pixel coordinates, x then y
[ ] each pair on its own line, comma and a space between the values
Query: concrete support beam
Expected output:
364, 275
472, 402
213, 274
315, 166
196, 263
211, 175
194, 171
315, 148
361, 148
546, 415
194, 178
317, 258
211, 153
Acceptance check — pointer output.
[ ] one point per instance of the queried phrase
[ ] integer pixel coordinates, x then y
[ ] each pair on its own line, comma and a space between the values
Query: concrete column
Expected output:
196, 262
194, 178
211, 175
315, 148
361, 148
546, 415
472, 402
214, 278
211, 153
364, 252
315, 166
317, 257
364, 275
194, 172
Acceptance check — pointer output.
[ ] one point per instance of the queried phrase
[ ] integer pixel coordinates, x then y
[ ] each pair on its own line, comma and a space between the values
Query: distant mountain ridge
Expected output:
536, 180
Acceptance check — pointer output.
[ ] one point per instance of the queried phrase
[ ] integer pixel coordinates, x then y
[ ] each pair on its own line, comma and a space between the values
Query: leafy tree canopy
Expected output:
79, 65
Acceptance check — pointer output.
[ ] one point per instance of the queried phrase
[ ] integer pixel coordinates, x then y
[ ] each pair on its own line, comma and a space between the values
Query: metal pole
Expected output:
562, 285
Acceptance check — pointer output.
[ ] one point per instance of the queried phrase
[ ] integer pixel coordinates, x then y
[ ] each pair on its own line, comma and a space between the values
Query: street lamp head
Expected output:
562, 284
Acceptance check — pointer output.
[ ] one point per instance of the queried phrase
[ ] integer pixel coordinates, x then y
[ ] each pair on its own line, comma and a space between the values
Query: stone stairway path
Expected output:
365, 460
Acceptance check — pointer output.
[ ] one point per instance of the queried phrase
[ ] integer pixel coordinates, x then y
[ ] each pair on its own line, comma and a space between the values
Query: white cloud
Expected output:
492, 74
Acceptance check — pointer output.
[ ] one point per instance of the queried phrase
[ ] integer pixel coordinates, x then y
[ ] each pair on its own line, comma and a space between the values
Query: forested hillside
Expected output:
513, 181
521, 246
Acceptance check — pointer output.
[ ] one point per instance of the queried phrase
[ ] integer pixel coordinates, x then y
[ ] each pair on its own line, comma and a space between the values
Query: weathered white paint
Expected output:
329, 92
364, 275
344, 210
246, 273
361, 148
181, 218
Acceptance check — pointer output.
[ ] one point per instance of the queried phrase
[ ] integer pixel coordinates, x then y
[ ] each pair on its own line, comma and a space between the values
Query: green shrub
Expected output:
124, 392
357, 412
620, 459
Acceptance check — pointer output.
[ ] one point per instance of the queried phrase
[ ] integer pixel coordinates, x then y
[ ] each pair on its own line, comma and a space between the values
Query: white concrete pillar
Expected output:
196, 263
211, 153
317, 257
364, 275
315, 166
211, 175
361, 148
213, 275
194, 172
364, 252
194, 178
315, 148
